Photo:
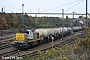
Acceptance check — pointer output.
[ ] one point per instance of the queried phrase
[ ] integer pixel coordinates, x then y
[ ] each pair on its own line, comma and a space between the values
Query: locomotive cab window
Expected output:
27, 32
30, 32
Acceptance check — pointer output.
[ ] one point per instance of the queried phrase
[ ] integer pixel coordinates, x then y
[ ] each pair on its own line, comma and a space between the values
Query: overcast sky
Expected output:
69, 6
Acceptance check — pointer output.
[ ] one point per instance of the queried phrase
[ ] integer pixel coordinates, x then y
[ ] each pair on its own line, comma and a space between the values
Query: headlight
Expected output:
22, 41
15, 41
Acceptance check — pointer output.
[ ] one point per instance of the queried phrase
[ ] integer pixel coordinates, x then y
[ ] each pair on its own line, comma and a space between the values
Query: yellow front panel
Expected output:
19, 36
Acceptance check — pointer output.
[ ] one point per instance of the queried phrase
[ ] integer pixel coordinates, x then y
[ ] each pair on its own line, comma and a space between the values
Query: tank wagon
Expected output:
77, 28
25, 38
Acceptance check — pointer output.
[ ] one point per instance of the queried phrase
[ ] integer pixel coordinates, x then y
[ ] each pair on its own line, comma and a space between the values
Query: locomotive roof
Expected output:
22, 30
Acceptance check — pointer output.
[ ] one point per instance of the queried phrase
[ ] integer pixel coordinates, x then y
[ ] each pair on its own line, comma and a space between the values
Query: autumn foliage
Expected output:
15, 20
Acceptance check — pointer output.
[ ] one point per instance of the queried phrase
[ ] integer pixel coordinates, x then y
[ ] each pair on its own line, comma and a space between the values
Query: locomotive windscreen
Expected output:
22, 31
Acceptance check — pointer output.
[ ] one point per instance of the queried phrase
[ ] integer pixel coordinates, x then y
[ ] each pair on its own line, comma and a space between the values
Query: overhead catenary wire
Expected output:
73, 6
44, 10
61, 5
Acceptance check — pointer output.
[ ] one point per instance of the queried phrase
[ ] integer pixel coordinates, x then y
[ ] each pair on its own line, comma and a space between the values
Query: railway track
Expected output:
33, 51
6, 37
7, 40
6, 45
8, 51
67, 40
11, 51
